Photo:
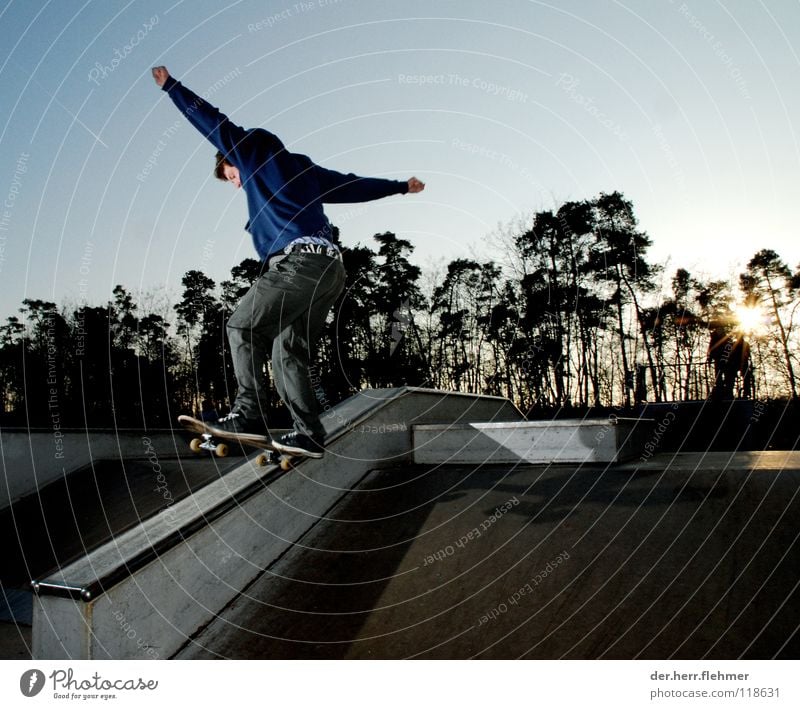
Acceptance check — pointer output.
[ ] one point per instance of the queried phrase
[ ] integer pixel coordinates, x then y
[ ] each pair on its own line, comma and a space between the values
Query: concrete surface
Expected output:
167, 577
31, 459
79, 512
49, 529
15, 642
681, 557
536, 442
667, 556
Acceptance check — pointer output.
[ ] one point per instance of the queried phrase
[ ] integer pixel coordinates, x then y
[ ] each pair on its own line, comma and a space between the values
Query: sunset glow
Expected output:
751, 319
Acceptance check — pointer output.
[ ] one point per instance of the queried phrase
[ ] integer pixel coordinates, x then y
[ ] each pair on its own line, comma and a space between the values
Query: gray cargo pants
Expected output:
283, 312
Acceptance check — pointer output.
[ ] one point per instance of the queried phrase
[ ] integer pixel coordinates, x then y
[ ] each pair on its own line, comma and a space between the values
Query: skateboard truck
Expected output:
207, 443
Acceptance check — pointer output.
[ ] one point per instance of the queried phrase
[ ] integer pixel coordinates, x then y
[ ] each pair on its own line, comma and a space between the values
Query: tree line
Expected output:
572, 313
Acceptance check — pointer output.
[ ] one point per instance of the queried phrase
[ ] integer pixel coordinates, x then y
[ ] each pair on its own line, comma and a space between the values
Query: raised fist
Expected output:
160, 74
415, 185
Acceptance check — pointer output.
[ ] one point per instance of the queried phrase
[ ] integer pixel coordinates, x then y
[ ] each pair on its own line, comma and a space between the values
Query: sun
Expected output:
750, 319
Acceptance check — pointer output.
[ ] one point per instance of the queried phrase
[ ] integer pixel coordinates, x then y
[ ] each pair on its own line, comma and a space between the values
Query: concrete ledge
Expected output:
145, 593
558, 441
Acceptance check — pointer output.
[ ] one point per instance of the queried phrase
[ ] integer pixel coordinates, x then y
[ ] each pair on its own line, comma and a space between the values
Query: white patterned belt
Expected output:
313, 245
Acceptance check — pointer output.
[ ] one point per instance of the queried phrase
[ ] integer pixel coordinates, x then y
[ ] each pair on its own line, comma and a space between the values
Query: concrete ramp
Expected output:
366, 554
682, 557
148, 590
33, 458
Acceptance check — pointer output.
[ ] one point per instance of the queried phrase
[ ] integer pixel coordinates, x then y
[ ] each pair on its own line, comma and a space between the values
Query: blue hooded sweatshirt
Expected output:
285, 191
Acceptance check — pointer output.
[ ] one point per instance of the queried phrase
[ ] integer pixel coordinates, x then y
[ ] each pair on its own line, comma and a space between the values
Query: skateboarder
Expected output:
302, 272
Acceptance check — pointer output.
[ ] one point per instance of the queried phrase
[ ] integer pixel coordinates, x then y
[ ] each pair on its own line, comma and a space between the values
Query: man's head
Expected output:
226, 172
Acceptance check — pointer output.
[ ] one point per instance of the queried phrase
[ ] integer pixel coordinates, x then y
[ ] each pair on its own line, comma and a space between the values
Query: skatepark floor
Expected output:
685, 556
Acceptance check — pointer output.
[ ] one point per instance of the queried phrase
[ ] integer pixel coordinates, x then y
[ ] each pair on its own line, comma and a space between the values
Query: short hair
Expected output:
219, 168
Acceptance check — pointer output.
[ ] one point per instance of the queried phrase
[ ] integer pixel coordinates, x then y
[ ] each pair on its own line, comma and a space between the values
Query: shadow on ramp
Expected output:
553, 562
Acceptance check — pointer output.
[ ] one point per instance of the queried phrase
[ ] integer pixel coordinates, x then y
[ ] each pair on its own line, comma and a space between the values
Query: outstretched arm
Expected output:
336, 187
210, 121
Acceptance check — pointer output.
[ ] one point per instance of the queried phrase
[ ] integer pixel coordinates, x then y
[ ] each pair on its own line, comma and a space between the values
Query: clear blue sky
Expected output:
502, 108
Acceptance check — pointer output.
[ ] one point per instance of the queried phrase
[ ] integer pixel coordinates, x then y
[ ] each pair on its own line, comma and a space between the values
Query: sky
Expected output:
503, 109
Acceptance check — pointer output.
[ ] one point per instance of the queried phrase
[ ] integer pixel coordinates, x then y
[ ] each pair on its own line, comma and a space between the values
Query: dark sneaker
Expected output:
235, 422
294, 443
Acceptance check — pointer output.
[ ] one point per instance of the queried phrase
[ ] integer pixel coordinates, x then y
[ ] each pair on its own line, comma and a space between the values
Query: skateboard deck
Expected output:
213, 439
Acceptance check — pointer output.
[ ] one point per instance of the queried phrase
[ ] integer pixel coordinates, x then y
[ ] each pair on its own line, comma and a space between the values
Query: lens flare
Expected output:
750, 319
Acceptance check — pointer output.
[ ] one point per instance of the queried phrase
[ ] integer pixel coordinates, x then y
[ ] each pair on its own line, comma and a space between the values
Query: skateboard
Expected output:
213, 439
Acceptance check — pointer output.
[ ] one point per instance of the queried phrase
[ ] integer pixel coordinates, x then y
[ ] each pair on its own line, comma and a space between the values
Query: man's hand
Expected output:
415, 185
160, 74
